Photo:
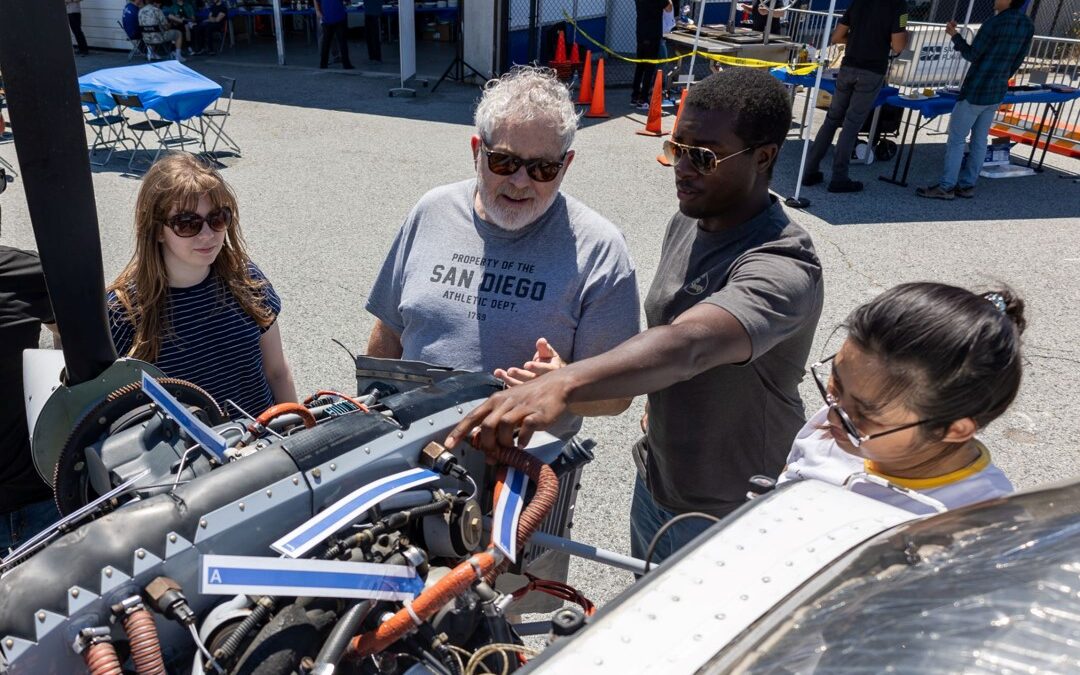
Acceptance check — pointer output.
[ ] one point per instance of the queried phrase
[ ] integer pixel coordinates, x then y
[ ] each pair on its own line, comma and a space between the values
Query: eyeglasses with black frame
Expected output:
505, 164
822, 373
702, 159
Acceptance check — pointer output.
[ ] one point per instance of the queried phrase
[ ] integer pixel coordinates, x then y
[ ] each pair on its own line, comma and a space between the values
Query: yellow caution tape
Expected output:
796, 69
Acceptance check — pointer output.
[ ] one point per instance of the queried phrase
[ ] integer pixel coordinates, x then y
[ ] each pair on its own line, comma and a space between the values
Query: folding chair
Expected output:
212, 120
108, 128
153, 38
137, 46
159, 126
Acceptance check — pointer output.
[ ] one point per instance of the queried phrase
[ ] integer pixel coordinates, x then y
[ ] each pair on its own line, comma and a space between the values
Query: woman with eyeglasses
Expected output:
190, 301
924, 367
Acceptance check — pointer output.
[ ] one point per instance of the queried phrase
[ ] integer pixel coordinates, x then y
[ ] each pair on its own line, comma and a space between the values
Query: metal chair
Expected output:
157, 47
108, 128
137, 46
159, 126
212, 120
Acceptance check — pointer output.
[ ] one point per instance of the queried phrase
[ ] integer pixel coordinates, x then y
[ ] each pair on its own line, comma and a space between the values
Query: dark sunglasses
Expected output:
188, 223
822, 373
540, 170
703, 160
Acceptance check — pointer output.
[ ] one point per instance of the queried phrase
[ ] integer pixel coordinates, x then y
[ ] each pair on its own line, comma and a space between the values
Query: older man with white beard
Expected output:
504, 269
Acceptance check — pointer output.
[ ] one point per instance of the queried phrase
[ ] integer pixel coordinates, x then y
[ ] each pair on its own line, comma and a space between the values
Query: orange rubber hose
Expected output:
145, 645
101, 659
282, 409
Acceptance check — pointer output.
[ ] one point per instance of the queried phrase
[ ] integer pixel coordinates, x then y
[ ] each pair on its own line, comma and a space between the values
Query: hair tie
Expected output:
997, 301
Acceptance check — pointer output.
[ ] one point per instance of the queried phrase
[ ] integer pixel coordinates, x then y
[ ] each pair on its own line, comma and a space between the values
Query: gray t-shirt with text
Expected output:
464, 293
709, 434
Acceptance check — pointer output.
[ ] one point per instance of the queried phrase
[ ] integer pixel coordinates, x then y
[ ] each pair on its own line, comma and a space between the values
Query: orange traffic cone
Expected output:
596, 106
575, 55
585, 94
653, 127
560, 49
682, 101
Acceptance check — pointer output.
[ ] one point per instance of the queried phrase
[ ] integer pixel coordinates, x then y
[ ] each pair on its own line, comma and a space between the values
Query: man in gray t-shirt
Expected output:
731, 316
503, 272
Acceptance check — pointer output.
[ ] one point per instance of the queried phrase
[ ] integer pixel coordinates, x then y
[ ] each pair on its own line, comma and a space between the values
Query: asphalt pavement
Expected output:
331, 165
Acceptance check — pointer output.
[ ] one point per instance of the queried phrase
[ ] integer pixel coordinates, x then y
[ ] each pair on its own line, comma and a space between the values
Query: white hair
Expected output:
525, 94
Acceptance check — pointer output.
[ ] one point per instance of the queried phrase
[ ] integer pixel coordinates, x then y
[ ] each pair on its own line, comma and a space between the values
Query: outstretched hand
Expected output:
545, 360
531, 406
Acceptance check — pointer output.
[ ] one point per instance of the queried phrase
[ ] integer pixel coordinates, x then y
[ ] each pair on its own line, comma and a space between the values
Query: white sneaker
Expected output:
178, 56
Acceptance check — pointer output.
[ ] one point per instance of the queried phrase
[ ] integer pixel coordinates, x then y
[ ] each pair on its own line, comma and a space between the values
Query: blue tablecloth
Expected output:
169, 88
828, 82
943, 103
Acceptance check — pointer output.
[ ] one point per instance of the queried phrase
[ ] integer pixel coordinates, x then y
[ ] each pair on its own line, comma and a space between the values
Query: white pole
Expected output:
826, 34
967, 19
279, 33
697, 39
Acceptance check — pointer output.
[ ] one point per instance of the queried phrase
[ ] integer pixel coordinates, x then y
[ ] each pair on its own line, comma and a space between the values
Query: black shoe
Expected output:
935, 192
965, 192
845, 185
348, 67
322, 66
812, 178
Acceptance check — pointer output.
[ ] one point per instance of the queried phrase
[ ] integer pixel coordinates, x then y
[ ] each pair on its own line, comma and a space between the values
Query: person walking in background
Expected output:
372, 15
996, 53
335, 22
74, 14
869, 29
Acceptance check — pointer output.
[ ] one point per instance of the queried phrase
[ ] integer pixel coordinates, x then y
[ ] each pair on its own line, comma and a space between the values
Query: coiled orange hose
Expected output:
145, 645
101, 659
486, 565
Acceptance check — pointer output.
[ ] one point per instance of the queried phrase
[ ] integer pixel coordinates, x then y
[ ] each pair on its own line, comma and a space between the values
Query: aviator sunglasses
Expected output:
703, 160
505, 164
188, 223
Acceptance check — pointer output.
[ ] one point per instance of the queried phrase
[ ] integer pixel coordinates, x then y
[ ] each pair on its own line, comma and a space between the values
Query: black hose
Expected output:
263, 607
342, 632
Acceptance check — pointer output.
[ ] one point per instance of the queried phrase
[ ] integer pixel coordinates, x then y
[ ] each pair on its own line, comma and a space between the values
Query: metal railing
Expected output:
930, 61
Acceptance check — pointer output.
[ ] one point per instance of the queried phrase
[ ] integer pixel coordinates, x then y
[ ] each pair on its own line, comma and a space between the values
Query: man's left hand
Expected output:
950, 28
545, 360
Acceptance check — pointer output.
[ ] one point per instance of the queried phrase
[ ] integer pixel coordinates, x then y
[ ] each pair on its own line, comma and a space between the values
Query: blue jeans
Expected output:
18, 526
646, 518
966, 118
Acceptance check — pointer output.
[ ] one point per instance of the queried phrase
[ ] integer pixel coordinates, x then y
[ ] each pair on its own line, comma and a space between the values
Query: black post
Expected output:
534, 16
46, 114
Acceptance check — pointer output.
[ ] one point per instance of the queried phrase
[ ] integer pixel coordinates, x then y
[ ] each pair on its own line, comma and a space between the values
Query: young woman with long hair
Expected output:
191, 301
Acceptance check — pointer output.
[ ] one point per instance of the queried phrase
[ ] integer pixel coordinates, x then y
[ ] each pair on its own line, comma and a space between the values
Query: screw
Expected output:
719, 563
333, 467
367, 451
172, 538
241, 505
295, 480
269, 493
459, 410
202, 523
102, 420
74, 592
316, 473
9, 643
140, 554
720, 617
401, 434
765, 580
41, 617
108, 572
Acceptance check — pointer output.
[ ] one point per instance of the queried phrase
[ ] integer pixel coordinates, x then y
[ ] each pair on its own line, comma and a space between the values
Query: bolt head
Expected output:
74, 592
172, 538
41, 617
333, 467
269, 493
9, 643
140, 554
295, 480
241, 505
108, 572
202, 523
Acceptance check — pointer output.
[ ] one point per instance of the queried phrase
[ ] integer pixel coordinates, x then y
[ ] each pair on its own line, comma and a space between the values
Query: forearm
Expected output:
384, 343
608, 408
650, 361
282, 385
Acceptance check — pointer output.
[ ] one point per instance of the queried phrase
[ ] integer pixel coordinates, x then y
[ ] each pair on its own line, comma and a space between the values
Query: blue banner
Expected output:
210, 440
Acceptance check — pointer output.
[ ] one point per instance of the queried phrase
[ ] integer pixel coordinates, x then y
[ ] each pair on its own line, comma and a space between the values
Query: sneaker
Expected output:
845, 185
643, 106
965, 192
812, 178
935, 192
178, 56
190, 51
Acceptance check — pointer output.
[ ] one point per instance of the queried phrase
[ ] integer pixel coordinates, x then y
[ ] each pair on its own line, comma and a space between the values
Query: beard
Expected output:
508, 215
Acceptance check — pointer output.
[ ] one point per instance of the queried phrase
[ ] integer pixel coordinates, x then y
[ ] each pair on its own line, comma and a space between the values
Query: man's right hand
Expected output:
950, 28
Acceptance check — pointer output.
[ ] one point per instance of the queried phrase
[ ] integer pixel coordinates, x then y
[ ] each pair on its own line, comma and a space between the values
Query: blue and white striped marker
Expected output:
210, 440
509, 498
346, 510
251, 575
